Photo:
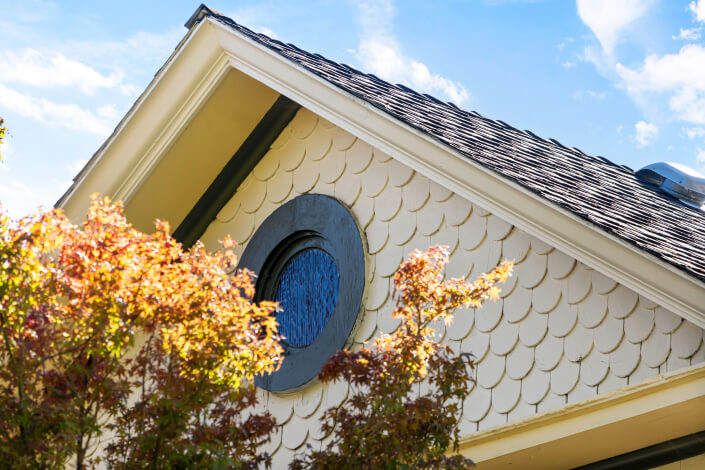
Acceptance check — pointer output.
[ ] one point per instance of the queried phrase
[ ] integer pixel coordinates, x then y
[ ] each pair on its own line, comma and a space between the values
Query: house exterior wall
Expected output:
561, 332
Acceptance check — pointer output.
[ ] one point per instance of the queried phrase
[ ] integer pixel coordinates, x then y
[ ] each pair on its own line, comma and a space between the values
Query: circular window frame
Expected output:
306, 222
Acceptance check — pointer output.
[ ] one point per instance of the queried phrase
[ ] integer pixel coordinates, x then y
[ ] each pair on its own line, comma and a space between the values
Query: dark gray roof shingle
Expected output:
604, 193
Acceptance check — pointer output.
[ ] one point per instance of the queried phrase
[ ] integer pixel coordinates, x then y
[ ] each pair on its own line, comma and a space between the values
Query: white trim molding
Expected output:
631, 418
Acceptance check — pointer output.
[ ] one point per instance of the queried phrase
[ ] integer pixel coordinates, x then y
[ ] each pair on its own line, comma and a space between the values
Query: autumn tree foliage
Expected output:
119, 347
407, 389
3, 130
104, 328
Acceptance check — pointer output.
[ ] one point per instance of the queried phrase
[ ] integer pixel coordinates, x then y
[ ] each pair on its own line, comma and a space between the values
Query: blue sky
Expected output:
622, 79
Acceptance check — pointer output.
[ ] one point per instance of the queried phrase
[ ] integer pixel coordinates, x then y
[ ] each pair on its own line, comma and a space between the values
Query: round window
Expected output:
309, 257
307, 293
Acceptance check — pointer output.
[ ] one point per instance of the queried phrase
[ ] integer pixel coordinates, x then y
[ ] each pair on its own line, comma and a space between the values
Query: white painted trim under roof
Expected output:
636, 269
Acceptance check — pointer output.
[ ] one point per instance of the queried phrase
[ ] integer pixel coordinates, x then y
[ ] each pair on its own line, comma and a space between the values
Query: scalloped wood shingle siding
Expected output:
561, 333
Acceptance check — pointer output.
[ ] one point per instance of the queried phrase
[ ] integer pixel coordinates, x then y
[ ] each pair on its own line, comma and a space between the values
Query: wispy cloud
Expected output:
379, 52
597, 95
645, 133
561, 45
31, 67
675, 80
75, 166
680, 76
693, 132
46, 79
70, 116
608, 19
691, 34
697, 8
17, 198
700, 158
505, 2
142, 46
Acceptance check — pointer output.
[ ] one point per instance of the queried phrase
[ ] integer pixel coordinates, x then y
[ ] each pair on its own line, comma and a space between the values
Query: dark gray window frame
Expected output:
310, 220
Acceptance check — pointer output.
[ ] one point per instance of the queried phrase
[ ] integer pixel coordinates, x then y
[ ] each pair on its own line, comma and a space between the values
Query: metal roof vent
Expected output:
676, 180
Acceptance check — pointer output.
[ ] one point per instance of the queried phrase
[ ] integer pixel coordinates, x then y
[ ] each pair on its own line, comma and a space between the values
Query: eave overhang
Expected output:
662, 408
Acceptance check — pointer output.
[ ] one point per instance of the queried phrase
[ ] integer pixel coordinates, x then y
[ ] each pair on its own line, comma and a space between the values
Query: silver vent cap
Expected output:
676, 180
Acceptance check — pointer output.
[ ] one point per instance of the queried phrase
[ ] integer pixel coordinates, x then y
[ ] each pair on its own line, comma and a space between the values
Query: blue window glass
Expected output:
307, 292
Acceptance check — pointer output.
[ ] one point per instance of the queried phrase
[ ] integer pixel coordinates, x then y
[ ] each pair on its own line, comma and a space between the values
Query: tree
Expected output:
386, 422
3, 131
104, 327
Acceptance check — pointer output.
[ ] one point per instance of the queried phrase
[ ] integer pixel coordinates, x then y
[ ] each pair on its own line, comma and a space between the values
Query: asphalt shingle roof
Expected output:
599, 191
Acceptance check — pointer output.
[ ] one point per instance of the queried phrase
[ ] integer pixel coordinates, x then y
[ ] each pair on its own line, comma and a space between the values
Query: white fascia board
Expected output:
634, 268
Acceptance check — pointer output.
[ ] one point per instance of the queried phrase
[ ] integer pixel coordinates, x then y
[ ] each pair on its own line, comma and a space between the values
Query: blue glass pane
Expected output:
307, 293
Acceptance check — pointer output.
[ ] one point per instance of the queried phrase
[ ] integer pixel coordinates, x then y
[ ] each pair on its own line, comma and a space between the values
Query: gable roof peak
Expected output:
201, 12
597, 190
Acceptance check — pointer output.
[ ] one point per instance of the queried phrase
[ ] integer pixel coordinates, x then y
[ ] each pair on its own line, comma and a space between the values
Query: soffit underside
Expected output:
201, 150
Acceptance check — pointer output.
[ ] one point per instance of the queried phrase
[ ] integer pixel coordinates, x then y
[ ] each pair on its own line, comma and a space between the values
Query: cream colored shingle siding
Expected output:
561, 333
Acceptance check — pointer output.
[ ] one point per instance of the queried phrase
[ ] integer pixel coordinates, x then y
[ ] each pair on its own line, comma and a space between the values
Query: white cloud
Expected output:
268, 32
645, 133
496, 3
561, 45
31, 67
697, 7
76, 166
255, 18
69, 69
568, 64
700, 159
70, 116
681, 76
379, 52
609, 18
18, 199
6, 152
694, 132
692, 34
109, 112
597, 95
140, 47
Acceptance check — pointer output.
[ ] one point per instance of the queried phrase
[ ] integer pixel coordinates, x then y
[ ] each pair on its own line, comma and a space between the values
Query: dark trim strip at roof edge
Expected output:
233, 174
201, 11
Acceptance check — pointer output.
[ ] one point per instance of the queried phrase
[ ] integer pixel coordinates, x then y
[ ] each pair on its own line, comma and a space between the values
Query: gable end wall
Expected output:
561, 333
